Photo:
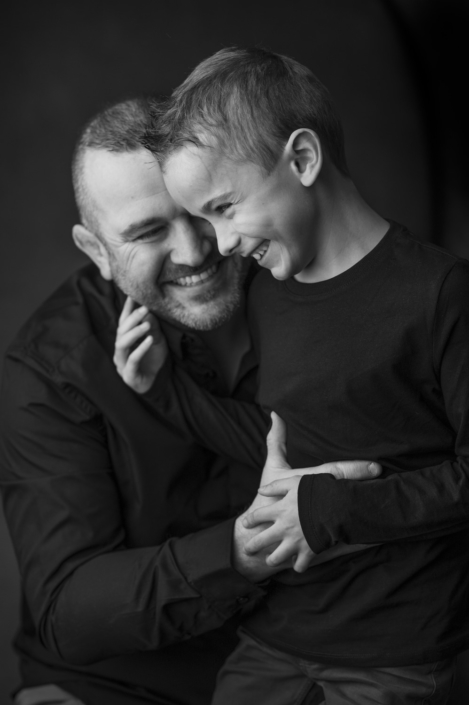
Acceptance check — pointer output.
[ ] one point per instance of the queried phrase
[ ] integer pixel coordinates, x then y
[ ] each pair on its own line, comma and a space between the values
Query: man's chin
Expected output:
204, 307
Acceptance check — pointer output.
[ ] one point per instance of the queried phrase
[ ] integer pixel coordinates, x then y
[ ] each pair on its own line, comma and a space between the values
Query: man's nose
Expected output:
187, 245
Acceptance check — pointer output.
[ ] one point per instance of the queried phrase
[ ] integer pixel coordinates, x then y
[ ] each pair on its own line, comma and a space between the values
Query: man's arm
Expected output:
90, 595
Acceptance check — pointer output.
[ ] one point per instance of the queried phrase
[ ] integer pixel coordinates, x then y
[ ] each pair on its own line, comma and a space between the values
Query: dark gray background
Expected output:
397, 71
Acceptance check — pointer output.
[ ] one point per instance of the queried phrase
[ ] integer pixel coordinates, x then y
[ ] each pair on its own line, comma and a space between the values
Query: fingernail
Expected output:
373, 468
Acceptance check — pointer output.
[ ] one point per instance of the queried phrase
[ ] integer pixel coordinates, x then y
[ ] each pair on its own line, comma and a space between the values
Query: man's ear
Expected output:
92, 246
304, 153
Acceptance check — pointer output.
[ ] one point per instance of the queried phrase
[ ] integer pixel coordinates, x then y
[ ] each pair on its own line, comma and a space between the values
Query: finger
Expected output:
355, 470
127, 308
276, 442
137, 316
302, 561
156, 331
263, 540
259, 516
278, 487
345, 470
135, 358
284, 552
127, 340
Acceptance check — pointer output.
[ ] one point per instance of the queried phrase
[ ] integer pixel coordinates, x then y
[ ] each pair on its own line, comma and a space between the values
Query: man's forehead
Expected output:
127, 186
105, 171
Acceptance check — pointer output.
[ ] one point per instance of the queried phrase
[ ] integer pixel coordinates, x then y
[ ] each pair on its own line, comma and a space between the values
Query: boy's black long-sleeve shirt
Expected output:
372, 364
121, 527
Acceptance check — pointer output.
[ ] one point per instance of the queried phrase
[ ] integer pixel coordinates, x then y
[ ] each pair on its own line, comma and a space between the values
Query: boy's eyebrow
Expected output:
209, 205
140, 225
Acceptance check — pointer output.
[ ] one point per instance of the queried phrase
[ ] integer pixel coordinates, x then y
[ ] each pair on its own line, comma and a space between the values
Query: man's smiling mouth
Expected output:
196, 279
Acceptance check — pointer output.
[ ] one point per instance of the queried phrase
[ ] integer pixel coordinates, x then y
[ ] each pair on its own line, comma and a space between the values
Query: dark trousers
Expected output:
257, 674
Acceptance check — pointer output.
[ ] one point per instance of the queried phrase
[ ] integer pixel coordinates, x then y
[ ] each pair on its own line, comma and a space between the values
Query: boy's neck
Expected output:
346, 230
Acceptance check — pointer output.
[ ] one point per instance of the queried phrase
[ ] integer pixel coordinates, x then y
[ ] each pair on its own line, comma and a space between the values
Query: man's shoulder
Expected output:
79, 309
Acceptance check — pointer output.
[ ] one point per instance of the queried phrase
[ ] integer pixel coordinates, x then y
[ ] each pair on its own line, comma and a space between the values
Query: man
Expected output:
121, 526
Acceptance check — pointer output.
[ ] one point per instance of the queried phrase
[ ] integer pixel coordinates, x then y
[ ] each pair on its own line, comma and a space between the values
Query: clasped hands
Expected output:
268, 537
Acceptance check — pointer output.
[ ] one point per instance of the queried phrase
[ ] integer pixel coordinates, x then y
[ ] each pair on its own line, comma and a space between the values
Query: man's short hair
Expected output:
119, 127
249, 101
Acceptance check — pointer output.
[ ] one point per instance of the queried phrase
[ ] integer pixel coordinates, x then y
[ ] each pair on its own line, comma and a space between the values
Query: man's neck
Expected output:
229, 343
347, 229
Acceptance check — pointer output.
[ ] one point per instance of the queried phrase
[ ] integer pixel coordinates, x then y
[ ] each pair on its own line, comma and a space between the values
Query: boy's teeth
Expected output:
196, 278
260, 252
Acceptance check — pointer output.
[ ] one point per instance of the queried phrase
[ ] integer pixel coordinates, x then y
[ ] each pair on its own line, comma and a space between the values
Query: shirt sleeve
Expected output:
230, 427
414, 505
91, 596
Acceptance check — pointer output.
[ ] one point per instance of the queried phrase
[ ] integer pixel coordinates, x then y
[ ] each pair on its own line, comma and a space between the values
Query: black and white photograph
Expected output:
234, 353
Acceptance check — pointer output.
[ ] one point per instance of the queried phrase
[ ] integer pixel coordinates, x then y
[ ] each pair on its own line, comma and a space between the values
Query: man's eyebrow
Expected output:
209, 205
134, 228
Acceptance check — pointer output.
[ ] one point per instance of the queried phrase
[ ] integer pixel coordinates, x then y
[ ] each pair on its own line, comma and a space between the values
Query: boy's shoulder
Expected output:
407, 265
424, 251
424, 264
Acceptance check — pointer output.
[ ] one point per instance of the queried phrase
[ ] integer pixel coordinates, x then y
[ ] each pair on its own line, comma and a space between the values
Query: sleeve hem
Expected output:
205, 560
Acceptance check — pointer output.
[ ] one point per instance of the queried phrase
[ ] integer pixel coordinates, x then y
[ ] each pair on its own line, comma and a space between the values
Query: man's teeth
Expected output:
260, 252
197, 278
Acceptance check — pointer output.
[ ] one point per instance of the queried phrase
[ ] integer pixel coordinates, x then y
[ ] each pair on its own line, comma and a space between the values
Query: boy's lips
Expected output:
260, 250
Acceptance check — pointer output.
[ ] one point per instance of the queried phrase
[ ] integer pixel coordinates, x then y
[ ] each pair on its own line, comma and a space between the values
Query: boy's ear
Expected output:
304, 153
92, 246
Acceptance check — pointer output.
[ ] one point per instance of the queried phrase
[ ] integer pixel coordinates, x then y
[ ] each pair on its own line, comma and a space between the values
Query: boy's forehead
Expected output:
198, 170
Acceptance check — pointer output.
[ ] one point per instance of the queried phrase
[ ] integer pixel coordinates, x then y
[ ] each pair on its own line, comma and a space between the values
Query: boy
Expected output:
362, 335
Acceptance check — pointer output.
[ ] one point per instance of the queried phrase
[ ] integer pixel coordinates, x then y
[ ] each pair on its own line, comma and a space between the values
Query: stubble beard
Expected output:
204, 312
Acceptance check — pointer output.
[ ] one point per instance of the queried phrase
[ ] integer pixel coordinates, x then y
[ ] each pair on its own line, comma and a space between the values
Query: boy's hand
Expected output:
138, 363
284, 529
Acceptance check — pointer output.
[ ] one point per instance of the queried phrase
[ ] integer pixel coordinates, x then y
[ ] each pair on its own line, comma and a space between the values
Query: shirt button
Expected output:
242, 600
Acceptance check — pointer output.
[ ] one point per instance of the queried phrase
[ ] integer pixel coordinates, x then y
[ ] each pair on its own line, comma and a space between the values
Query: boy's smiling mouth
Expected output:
260, 251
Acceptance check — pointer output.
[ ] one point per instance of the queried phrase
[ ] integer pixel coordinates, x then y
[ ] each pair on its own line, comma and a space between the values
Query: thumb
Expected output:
276, 443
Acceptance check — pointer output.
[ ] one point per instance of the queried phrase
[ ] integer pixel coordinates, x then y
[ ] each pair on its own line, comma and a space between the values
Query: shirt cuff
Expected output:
316, 534
205, 559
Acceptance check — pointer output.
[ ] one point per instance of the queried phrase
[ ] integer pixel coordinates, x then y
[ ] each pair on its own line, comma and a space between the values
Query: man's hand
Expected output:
139, 363
252, 566
279, 518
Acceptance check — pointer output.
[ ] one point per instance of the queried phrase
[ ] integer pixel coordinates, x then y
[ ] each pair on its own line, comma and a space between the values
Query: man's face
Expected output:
157, 253
268, 217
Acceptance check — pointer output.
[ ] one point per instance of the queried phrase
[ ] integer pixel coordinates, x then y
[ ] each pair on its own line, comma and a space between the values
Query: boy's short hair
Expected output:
250, 101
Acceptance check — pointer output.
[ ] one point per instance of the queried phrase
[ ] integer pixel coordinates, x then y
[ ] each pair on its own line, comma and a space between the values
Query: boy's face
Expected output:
270, 218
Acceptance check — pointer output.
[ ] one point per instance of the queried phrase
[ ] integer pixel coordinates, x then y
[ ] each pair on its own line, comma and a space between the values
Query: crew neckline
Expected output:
354, 272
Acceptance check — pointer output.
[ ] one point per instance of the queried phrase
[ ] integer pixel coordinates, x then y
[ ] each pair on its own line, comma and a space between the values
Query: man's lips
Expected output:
194, 277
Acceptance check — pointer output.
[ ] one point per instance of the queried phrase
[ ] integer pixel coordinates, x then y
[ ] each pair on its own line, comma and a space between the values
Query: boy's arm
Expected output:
415, 505
231, 428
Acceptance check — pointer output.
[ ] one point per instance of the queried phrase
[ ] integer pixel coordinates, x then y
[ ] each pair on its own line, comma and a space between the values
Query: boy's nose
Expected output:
228, 241
188, 246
